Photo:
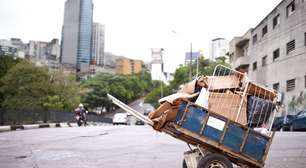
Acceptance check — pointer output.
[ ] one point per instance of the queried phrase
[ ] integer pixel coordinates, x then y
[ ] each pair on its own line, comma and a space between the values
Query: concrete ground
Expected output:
120, 147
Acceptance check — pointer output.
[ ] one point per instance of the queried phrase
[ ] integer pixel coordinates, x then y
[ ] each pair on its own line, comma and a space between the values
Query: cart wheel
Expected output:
184, 164
214, 160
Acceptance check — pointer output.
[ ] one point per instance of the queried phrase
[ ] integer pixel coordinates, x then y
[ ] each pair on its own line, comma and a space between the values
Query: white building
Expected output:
218, 48
274, 52
42, 50
157, 65
97, 52
11, 48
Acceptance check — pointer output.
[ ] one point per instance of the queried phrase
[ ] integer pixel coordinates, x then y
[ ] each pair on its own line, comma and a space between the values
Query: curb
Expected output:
35, 126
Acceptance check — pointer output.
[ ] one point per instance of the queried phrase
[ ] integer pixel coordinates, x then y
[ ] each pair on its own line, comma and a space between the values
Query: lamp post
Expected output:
190, 63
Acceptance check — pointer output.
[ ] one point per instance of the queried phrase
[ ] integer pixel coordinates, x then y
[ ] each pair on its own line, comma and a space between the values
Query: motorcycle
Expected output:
80, 118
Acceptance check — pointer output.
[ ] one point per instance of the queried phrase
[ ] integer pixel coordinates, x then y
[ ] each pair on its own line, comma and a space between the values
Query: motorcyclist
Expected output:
81, 111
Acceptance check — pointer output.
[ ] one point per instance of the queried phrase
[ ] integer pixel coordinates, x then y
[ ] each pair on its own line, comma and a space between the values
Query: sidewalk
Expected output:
45, 125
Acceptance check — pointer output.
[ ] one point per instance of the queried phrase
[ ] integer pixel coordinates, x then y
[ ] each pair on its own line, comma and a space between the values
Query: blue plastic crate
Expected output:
255, 146
181, 111
234, 137
194, 118
214, 130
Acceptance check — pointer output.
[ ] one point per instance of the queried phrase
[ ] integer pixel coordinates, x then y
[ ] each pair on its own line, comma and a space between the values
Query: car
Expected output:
278, 123
299, 122
283, 122
139, 122
120, 118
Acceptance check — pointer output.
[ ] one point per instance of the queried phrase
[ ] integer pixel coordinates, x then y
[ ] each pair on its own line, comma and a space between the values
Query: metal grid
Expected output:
234, 96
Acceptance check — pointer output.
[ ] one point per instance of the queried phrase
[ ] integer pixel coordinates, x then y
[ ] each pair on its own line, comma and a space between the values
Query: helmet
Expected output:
81, 105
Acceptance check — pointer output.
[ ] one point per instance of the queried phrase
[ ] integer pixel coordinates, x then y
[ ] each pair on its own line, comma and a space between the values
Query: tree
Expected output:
25, 86
65, 90
126, 88
6, 63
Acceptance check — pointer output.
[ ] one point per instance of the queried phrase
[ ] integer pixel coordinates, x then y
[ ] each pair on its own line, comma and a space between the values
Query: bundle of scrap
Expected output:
228, 93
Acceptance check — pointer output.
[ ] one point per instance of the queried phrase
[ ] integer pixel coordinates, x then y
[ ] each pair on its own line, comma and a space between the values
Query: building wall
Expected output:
127, 66
287, 66
70, 32
6, 48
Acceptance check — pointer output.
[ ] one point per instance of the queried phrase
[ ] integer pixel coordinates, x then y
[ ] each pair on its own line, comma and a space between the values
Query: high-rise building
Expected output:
97, 51
76, 34
218, 48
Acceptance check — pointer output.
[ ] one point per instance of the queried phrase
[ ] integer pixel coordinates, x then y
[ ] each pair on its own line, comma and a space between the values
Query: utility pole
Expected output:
190, 63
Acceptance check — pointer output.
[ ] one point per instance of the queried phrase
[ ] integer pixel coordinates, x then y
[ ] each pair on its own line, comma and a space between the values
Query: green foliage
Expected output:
66, 89
124, 87
26, 86
6, 63
156, 94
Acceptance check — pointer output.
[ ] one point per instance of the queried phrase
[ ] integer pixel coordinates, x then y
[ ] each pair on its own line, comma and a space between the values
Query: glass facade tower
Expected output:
85, 31
76, 34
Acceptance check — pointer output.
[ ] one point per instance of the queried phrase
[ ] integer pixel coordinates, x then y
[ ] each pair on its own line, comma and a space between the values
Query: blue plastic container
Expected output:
234, 137
193, 119
255, 146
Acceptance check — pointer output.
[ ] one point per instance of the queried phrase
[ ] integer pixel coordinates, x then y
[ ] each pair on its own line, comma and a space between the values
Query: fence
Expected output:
12, 117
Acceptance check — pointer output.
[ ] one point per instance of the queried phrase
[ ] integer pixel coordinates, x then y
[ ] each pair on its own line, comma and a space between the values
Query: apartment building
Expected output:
274, 52
126, 66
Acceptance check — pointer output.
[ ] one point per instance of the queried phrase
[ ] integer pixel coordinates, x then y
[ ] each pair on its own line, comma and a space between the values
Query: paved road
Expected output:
119, 147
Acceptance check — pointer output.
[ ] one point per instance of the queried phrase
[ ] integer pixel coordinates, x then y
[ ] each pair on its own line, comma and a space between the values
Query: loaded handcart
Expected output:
235, 127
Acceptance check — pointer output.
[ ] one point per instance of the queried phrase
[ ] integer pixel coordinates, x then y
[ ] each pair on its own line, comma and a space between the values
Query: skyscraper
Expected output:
98, 44
76, 34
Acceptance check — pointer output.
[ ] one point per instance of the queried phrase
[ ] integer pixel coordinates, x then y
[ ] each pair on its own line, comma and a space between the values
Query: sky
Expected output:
133, 27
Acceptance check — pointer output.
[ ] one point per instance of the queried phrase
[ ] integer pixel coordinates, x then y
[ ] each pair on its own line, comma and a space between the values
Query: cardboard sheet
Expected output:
227, 105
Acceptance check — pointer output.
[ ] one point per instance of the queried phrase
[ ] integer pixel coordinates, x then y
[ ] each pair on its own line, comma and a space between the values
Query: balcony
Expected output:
240, 61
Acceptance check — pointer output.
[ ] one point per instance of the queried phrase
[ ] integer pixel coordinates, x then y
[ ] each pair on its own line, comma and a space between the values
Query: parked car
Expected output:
120, 118
139, 122
299, 122
283, 122
278, 123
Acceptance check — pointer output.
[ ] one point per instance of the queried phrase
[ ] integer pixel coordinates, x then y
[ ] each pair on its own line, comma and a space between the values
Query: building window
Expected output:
290, 85
276, 86
264, 60
275, 54
276, 21
290, 8
255, 39
254, 66
290, 46
264, 30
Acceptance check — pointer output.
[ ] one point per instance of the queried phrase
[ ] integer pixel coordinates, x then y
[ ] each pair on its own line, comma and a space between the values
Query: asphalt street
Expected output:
120, 147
